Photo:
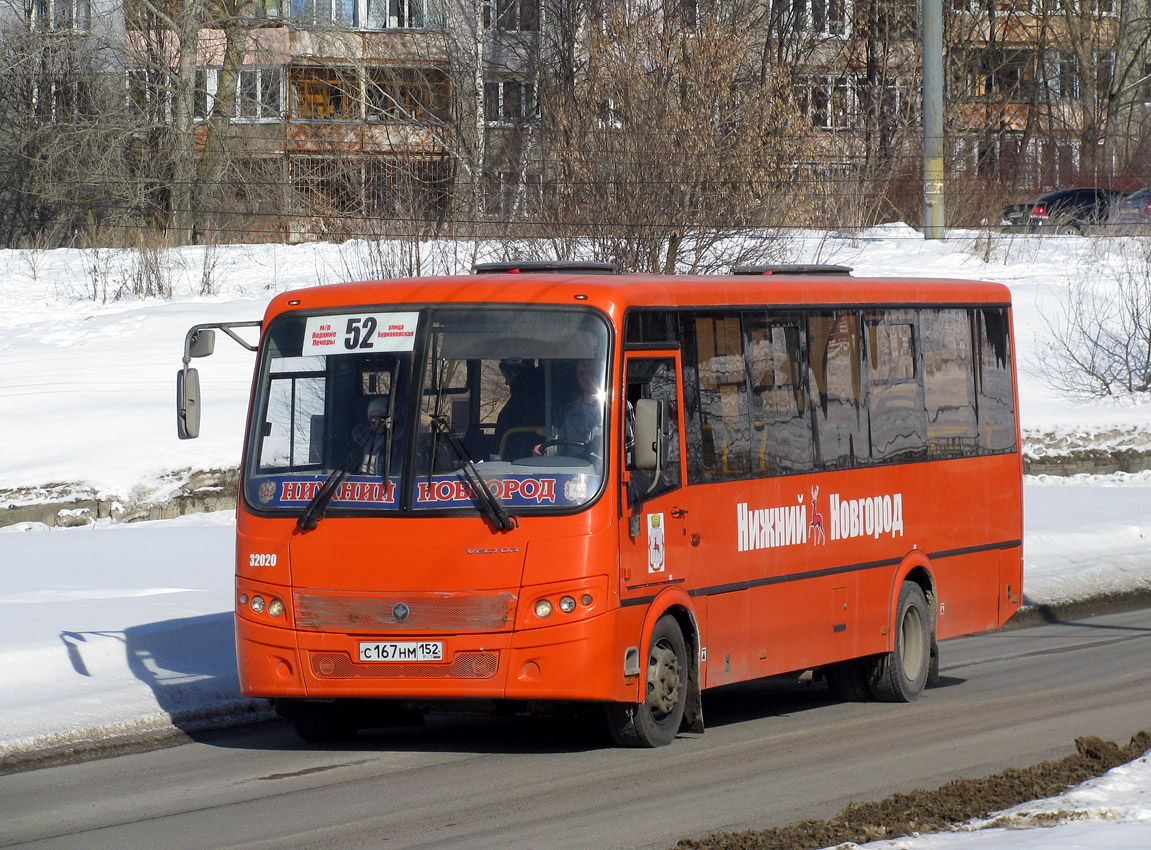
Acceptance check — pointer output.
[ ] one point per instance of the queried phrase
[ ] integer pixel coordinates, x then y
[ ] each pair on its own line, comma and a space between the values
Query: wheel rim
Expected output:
911, 655
663, 680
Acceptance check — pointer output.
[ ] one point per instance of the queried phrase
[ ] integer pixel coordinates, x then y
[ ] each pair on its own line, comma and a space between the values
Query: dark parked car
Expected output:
1068, 211
1131, 216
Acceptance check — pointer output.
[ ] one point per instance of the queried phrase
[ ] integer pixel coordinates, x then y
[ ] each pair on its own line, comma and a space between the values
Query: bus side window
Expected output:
994, 379
653, 378
781, 424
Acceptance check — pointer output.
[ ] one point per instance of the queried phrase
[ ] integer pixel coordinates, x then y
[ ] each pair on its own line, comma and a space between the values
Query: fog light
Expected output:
543, 608
275, 608
257, 604
567, 604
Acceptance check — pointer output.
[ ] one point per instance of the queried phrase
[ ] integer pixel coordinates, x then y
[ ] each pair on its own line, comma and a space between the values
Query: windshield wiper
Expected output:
488, 503
314, 510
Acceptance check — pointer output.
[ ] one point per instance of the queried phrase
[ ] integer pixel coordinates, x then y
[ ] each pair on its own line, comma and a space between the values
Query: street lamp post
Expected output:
932, 119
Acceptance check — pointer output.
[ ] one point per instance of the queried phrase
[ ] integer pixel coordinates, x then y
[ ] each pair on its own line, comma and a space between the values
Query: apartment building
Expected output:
410, 112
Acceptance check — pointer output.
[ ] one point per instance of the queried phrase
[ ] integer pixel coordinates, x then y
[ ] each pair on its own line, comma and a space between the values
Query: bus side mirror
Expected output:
201, 343
649, 418
188, 403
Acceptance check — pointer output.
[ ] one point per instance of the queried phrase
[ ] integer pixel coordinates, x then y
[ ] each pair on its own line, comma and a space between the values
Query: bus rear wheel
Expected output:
901, 675
655, 721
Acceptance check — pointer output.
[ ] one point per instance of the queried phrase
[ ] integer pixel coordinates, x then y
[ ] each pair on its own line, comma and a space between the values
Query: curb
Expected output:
1031, 615
152, 733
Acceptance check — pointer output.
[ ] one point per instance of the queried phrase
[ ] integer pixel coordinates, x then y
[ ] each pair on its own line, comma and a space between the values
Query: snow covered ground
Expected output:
113, 628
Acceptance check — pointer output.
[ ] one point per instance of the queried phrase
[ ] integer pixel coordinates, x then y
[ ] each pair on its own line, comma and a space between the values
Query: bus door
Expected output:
656, 533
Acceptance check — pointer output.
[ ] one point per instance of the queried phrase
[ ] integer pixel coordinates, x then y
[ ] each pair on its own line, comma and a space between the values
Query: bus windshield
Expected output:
409, 410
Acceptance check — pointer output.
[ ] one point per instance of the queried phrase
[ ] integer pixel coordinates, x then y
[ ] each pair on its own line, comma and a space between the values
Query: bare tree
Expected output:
670, 143
1099, 339
64, 156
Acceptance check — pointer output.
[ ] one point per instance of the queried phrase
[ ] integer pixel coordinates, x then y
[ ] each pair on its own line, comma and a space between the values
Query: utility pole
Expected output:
932, 119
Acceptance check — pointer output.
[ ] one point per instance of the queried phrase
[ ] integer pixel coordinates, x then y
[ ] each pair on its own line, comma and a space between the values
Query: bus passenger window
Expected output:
837, 389
949, 383
723, 397
996, 390
894, 394
781, 429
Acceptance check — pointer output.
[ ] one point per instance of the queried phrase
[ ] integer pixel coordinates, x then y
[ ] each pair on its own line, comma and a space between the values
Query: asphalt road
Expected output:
774, 753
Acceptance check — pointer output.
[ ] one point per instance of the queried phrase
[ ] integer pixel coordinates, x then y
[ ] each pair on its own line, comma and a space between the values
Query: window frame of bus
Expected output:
419, 356
675, 319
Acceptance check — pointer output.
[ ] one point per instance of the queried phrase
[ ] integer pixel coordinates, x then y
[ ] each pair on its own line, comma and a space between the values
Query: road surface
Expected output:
774, 753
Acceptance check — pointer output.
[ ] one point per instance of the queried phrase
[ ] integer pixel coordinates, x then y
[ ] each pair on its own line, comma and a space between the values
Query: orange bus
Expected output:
553, 482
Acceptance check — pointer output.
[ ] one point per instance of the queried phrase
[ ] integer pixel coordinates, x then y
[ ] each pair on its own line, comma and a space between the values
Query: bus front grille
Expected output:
433, 613
465, 665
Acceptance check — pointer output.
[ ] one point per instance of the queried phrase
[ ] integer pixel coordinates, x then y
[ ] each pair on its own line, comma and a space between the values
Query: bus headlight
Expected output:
543, 608
257, 604
275, 608
567, 604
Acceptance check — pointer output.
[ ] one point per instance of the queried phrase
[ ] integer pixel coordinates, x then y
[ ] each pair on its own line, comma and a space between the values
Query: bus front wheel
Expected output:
320, 722
901, 675
655, 721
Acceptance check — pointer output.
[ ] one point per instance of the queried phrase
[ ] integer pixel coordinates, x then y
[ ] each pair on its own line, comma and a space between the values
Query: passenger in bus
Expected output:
372, 436
523, 413
577, 429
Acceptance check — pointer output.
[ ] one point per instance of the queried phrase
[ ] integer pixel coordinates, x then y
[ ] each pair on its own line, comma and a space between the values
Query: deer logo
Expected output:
818, 535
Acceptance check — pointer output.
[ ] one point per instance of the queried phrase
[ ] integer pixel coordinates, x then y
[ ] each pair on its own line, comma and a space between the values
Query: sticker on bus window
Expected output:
356, 491
655, 549
360, 333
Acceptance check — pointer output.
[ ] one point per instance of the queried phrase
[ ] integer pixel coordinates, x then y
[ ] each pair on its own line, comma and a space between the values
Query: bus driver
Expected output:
579, 423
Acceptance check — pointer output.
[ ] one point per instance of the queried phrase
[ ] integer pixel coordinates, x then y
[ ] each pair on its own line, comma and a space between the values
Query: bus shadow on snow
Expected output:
189, 664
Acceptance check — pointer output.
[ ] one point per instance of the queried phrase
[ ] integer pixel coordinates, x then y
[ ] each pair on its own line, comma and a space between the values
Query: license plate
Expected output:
404, 650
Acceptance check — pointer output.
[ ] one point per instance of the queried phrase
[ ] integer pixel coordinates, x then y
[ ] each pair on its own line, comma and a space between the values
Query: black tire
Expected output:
901, 675
655, 721
848, 680
321, 722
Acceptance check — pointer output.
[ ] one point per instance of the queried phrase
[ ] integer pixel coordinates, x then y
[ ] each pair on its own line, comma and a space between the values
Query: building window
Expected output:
510, 101
56, 100
324, 94
1063, 78
322, 12
61, 15
893, 18
890, 99
202, 95
998, 75
827, 101
512, 15
822, 17
403, 14
408, 95
512, 194
385, 186
1094, 8
148, 96
258, 94
402, 187
1104, 72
